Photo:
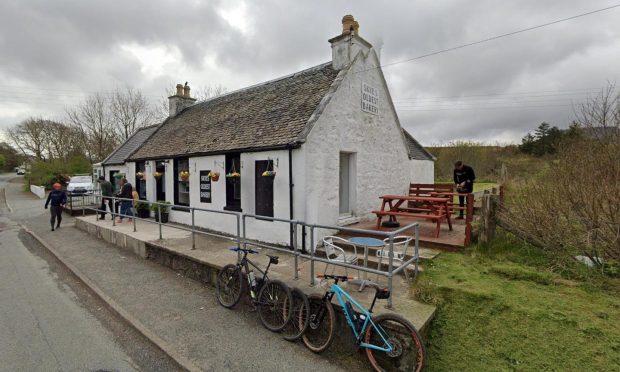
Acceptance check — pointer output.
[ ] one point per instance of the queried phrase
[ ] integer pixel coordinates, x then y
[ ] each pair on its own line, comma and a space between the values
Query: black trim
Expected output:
232, 209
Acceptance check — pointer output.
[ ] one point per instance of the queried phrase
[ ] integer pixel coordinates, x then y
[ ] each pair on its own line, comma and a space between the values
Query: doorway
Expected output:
233, 184
346, 184
160, 182
263, 188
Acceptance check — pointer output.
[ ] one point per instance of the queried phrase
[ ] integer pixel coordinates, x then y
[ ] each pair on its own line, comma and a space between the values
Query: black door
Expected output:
263, 188
233, 184
160, 182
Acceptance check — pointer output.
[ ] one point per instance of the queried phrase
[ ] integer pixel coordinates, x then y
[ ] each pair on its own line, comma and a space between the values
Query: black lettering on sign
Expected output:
370, 99
205, 186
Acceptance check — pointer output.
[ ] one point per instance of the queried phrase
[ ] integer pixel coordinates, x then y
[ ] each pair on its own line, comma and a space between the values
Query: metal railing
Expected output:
242, 239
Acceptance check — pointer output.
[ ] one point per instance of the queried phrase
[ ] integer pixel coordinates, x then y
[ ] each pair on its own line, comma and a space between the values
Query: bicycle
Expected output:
391, 342
274, 301
298, 324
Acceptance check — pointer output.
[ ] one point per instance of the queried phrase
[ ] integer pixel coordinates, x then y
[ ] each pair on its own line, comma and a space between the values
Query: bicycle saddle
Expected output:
238, 249
381, 293
273, 259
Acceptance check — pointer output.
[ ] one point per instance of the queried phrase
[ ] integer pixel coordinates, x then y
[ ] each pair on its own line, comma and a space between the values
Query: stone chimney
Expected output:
347, 45
180, 101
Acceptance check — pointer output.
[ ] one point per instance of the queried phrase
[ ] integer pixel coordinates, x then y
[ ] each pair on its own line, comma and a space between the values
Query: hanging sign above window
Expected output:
205, 187
370, 99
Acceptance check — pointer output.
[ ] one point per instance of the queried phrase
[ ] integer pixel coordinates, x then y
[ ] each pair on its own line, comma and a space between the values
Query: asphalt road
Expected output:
48, 321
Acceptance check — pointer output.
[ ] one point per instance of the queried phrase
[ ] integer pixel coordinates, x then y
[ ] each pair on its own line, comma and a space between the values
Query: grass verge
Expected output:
500, 308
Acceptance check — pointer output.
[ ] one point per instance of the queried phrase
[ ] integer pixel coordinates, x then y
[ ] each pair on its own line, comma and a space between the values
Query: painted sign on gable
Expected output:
205, 187
370, 99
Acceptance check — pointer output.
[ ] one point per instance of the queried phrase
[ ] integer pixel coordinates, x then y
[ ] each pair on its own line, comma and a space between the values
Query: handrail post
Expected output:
390, 269
97, 211
159, 220
294, 241
417, 250
113, 210
312, 283
133, 214
83, 207
193, 230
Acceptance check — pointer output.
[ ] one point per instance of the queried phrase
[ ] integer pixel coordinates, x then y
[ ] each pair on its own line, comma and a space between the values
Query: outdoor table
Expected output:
392, 206
365, 242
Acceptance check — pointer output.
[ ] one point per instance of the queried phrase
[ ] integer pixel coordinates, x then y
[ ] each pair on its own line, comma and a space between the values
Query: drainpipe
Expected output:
290, 190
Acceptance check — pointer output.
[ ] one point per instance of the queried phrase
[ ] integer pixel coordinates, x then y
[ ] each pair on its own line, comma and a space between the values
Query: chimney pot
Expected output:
347, 23
179, 90
186, 90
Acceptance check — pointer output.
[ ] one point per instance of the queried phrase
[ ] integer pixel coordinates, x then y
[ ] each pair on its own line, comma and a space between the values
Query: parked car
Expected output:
81, 184
21, 171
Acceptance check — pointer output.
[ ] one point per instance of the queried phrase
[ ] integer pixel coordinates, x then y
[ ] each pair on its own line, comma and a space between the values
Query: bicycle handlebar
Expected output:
237, 249
343, 278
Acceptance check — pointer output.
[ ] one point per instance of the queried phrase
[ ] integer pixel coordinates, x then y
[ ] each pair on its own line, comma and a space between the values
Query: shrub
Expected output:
572, 208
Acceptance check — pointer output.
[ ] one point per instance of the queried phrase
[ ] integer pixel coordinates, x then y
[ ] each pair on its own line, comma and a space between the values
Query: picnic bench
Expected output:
440, 190
435, 209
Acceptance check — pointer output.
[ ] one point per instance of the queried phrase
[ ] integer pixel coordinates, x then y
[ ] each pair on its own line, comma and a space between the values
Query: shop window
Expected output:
263, 188
181, 184
233, 184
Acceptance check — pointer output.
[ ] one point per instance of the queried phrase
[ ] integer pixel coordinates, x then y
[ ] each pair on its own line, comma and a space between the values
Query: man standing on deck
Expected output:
464, 178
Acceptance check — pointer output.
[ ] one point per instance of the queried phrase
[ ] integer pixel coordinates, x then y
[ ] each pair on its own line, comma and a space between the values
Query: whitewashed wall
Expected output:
381, 158
422, 171
120, 168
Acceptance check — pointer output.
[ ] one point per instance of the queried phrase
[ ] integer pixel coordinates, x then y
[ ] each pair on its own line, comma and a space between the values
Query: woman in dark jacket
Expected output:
125, 193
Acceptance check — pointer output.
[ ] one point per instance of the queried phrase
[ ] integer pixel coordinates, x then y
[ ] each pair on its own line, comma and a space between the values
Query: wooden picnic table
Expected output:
436, 209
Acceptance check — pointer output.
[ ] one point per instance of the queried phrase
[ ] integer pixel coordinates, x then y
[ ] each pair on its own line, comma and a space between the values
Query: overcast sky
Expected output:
53, 53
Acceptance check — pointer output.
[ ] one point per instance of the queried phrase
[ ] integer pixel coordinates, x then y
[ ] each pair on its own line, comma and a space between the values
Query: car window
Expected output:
80, 179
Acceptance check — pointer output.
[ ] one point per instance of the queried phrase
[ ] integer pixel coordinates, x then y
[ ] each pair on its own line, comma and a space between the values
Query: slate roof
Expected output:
415, 150
270, 115
124, 151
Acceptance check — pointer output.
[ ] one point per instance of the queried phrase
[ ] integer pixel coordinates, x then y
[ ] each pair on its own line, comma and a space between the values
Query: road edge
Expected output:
182, 361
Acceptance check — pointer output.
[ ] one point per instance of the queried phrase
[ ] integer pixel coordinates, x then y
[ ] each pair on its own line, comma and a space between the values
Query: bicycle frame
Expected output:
245, 263
340, 294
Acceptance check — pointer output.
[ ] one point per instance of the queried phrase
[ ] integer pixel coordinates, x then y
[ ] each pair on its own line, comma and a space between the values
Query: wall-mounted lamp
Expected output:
275, 161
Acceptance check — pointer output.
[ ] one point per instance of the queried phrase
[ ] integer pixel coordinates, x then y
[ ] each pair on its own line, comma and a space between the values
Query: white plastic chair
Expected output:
401, 244
336, 254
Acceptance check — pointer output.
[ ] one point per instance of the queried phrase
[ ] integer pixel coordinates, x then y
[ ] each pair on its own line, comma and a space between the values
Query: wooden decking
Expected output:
447, 240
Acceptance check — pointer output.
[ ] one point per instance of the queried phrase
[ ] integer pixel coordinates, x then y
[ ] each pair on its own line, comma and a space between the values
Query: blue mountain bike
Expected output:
390, 341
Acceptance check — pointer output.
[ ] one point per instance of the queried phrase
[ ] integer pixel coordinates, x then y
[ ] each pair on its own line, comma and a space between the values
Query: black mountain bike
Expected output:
272, 298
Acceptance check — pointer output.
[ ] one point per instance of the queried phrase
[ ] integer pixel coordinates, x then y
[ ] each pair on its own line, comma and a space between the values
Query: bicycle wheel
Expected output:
408, 353
321, 324
275, 305
299, 318
229, 285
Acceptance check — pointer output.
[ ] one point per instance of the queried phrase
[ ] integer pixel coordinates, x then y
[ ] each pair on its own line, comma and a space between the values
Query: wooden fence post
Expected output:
469, 217
488, 211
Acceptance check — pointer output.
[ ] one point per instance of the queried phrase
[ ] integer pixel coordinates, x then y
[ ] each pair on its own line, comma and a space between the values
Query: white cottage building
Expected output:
330, 133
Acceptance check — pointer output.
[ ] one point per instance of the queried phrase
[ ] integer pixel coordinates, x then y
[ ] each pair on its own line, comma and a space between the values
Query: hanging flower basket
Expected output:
233, 175
139, 175
157, 175
215, 176
269, 173
184, 176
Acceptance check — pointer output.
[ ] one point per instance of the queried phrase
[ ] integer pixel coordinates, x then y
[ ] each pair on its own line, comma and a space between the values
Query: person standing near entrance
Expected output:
106, 194
125, 193
464, 178
58, 199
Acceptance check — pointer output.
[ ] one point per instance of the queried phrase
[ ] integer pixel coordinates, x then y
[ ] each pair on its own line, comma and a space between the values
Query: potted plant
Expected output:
269, 173
143, 209
162, 209
215, 176
139, 175
184, 176
233, 175
157, 174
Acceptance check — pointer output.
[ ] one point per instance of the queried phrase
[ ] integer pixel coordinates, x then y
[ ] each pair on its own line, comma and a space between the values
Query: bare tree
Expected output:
130, 111
93, 120
30, 137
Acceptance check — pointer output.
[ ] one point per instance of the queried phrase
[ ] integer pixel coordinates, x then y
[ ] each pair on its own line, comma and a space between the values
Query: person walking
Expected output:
106, 193
464, 178
58, 199
125, 193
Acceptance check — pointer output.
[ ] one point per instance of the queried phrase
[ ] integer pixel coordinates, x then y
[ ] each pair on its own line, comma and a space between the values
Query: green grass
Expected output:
501, 309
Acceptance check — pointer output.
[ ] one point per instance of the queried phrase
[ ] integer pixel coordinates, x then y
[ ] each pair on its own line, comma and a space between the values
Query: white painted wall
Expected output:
38, 191
422, 171
382, 163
